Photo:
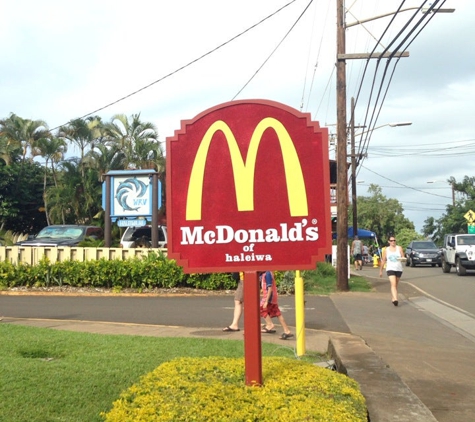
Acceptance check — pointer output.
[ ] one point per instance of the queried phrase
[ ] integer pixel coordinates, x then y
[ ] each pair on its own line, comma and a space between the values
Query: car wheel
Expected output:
433, 265
461, 270
408, 261
445, 267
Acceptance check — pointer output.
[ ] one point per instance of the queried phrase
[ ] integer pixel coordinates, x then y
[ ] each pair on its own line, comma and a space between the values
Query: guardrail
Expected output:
33, 255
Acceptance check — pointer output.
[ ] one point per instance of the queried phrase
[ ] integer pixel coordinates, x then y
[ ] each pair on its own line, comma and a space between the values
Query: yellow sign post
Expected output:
470, 217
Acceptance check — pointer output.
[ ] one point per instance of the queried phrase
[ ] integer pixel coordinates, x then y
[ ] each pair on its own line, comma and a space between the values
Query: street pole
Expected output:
353, 169
341, 158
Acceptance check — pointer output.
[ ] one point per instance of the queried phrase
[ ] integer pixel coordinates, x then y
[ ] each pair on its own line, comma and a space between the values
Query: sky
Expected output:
170, 61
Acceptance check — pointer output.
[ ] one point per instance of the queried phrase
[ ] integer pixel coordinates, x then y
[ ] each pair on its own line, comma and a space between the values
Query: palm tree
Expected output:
23, 133
104, 158
137, 140
65, 199
8, 150
83, 133
53, 150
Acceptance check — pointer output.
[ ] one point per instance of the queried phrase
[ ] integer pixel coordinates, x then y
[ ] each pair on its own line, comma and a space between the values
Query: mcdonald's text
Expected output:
226, 234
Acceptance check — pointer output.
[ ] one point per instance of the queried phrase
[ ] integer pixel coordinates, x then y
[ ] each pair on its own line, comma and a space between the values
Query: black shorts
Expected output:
398, 274
357, 257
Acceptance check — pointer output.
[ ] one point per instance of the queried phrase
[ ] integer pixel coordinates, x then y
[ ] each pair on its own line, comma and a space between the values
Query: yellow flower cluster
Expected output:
213, 389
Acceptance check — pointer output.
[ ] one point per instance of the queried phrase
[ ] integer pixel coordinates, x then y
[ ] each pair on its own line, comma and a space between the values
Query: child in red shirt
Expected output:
269, 306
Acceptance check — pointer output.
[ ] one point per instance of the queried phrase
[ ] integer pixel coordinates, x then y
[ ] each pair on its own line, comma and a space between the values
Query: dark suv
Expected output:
68, 235
423, 252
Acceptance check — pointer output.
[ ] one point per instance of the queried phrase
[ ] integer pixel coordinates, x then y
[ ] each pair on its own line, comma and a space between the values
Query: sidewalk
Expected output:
411, 364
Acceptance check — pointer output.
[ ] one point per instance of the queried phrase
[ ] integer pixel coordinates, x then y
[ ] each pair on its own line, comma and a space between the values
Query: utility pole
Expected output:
353, 169
342, 168
341, 133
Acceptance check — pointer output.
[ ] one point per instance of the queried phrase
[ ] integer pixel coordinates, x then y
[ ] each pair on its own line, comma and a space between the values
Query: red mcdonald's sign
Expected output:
248, 188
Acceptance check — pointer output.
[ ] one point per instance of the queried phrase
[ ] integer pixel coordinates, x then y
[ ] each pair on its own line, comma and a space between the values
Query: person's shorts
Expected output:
358, 257
239, 293
398, 274
272, 310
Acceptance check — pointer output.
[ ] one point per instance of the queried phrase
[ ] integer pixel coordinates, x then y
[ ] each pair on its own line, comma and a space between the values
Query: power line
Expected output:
403, 185
273, 51
186, 65
406, 41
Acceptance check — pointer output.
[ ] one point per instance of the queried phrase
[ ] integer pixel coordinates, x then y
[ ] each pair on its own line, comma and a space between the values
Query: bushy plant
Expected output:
90, 242
213, 281
285, 281
7, 274
325, 269
8, 238
213, 389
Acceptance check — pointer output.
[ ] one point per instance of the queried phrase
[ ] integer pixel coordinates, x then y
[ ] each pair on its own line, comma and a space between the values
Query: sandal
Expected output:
286, 336
229, 329
267, 330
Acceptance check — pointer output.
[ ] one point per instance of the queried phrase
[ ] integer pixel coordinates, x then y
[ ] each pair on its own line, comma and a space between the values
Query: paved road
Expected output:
449, 288
192, 311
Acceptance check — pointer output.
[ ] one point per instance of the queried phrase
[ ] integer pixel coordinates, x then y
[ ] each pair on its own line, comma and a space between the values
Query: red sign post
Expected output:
248, 190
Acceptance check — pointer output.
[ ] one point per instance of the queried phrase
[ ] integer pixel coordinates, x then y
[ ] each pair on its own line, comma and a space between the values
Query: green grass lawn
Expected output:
323, 283
48, 375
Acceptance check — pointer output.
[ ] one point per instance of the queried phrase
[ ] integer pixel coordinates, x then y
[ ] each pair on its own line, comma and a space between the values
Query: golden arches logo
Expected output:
243, 172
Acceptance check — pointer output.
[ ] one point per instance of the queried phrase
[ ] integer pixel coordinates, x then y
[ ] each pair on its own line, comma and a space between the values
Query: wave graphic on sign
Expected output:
129, 190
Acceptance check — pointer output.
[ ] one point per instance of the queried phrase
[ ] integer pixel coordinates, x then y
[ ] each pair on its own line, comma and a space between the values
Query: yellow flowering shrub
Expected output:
213, 389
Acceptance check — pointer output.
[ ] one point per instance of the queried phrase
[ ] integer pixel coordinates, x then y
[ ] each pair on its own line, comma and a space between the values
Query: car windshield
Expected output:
466, 240
424, 245
60, 233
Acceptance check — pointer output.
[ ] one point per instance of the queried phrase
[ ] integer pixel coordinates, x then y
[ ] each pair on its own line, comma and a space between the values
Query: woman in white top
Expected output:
392, 257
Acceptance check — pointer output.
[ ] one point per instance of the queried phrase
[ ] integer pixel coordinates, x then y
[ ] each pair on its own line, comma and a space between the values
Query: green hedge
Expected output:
153, 271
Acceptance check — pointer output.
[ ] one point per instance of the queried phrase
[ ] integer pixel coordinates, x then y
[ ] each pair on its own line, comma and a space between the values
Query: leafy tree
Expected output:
430, 227
453, 221
466, 187
76, 199
21, 202
406, 236
381, 215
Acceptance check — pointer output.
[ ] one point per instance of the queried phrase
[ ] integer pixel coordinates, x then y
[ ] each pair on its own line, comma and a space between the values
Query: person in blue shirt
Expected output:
269, 307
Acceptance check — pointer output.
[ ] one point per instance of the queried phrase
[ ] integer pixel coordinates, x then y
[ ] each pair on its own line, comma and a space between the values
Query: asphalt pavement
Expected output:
413, 362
